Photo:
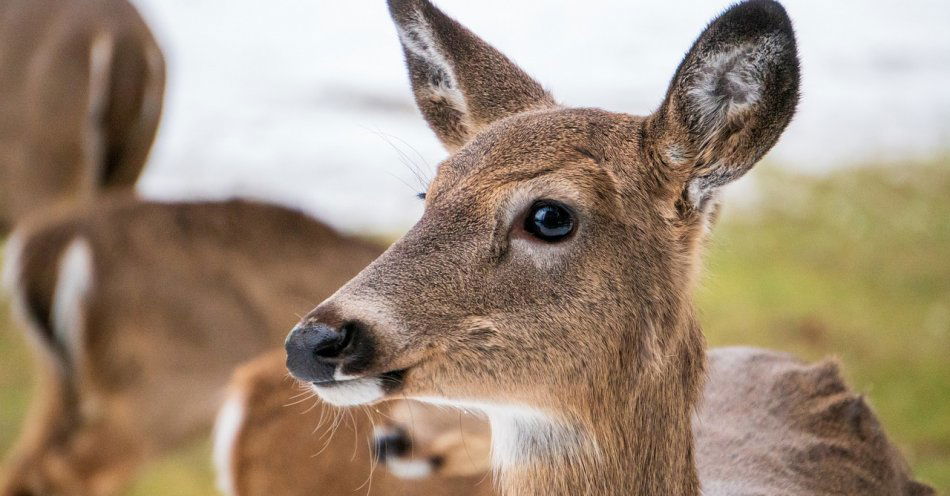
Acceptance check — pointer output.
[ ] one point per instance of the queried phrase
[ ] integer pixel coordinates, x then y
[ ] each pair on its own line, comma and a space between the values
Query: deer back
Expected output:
80, 101
772, 424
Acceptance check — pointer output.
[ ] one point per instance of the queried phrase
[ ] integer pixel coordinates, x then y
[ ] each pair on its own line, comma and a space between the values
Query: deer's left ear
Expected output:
731, 98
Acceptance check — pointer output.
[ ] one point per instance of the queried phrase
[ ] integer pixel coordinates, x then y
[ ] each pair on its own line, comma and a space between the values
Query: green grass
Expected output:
15, 380
186, 473
855, 264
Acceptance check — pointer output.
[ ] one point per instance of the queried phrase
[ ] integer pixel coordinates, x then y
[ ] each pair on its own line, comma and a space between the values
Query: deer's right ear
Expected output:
730, 99
461, 84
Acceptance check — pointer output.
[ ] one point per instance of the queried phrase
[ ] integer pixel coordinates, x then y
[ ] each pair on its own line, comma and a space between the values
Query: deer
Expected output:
81, 94
267, 426
433, 444
138, 311
548, 282
419, 440
271, 437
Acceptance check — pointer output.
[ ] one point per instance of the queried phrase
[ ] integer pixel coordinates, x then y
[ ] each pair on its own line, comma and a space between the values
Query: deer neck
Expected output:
633, 436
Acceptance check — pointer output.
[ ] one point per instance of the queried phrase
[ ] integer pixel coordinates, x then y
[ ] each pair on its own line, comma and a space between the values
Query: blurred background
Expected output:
307, 102
838, 243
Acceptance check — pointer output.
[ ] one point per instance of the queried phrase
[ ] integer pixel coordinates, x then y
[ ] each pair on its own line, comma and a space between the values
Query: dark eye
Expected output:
549, 221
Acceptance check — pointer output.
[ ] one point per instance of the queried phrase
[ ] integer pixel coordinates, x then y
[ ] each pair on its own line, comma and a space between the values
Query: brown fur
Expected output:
788, 428
74, 119
180, 294
771, 424
488, 96
586, 354
289, 446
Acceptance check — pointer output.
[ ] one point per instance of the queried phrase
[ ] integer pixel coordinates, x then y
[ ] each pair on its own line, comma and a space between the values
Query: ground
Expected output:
854, 264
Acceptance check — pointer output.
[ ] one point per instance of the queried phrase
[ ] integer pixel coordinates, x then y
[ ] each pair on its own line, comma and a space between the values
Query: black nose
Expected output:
314, 350
392, 444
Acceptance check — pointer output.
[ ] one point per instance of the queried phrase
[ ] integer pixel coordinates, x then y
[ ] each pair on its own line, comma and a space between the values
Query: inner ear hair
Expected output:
460, 83
731, 98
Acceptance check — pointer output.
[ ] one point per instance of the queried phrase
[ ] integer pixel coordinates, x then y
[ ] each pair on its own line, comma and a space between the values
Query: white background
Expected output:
306, 102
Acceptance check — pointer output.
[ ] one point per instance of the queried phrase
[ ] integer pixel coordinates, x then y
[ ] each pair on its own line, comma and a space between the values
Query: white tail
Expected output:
70, 298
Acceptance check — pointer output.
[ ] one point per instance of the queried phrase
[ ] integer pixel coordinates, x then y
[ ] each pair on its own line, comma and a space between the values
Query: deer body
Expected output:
269, 441
80, 101
549, 280
139, 311
771, 424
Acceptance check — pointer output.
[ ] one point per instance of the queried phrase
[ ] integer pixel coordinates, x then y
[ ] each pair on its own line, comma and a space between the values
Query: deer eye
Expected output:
549, 221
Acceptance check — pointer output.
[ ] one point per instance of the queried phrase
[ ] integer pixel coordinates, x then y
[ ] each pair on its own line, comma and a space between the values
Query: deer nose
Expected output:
315, 349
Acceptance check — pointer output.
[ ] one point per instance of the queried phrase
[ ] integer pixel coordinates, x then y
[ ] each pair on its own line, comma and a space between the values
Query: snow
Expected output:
306, 102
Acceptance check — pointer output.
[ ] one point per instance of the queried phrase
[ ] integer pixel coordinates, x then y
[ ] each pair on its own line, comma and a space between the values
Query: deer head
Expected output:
548, 281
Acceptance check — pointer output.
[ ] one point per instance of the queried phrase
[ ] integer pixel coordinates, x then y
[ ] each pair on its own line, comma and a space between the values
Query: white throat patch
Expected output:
520, 433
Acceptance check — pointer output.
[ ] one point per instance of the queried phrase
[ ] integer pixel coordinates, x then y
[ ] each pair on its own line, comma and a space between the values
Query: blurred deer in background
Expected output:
139, 311
81, 84
549, 282
419, 440
272, 438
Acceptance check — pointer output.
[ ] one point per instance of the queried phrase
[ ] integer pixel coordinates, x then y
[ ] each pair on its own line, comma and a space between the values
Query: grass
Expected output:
855, 264
15, 380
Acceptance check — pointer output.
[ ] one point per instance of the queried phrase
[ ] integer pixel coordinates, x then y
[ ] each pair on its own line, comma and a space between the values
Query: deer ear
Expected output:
731, 98
461, 84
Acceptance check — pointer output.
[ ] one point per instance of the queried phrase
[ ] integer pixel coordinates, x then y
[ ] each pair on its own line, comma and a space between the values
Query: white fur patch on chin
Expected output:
226, 430
409, 469
351, 393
